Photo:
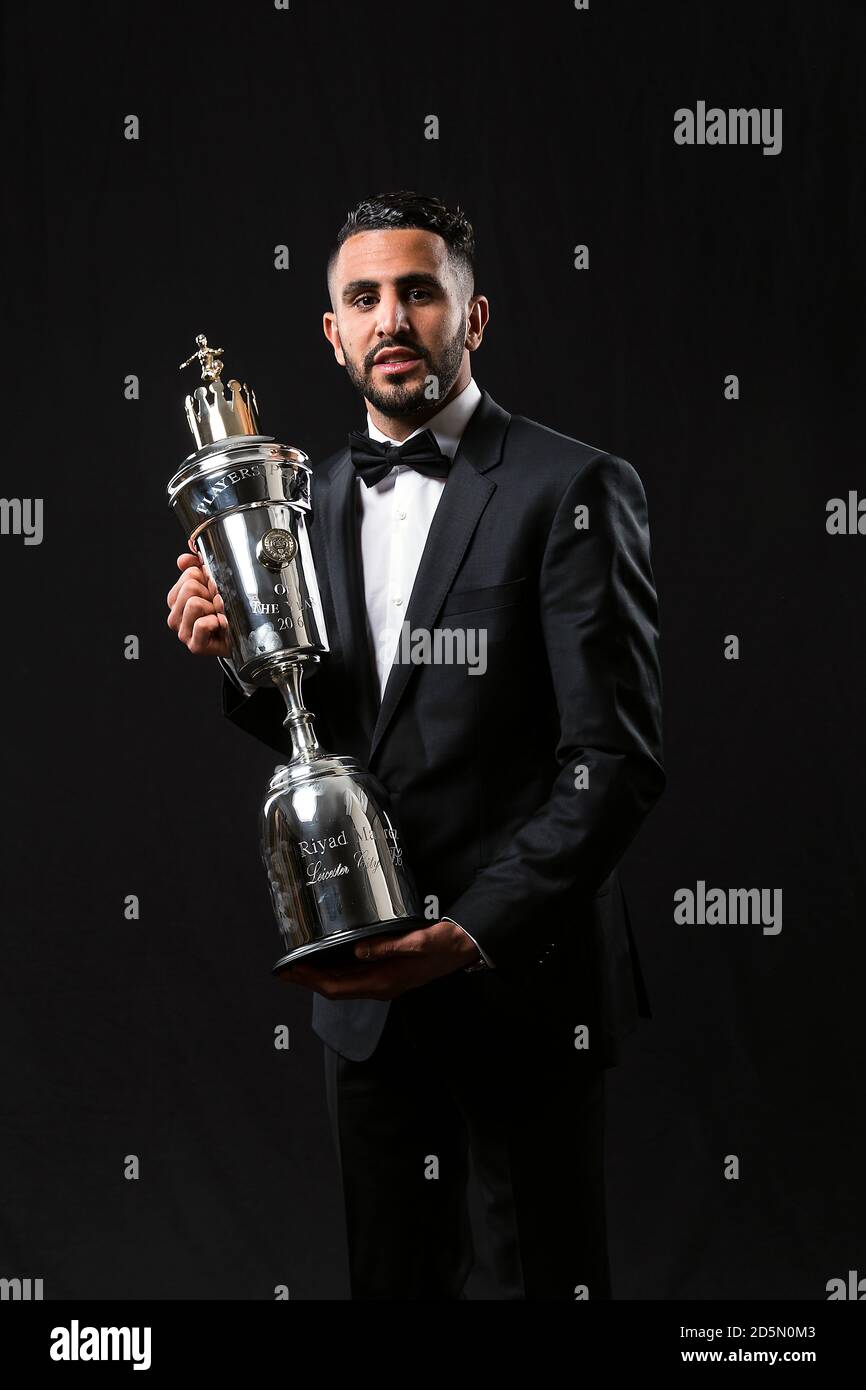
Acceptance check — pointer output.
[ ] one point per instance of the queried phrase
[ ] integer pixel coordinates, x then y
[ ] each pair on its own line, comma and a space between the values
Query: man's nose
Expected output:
392, 317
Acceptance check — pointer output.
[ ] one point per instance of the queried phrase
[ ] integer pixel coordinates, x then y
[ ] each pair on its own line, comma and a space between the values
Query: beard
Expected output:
397, 399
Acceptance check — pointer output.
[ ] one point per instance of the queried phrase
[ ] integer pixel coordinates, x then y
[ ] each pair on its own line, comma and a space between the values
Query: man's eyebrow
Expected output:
420, 277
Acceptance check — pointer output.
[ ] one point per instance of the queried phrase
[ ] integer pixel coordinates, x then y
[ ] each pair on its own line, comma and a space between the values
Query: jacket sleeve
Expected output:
229, 667
260, 713
261, 710
599, 617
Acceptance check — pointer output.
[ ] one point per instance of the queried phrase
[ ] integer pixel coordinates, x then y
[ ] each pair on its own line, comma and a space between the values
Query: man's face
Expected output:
400, 318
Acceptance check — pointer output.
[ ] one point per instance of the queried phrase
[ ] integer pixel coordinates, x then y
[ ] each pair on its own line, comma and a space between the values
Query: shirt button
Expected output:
402, 516
398, 602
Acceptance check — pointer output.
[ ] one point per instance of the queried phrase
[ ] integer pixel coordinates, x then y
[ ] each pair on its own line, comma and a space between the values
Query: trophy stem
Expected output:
298, 720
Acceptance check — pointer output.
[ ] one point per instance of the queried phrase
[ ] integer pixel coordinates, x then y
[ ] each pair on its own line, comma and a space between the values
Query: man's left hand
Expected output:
390, 965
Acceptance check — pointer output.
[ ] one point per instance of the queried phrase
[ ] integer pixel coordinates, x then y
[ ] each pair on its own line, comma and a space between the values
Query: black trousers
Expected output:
456, 1071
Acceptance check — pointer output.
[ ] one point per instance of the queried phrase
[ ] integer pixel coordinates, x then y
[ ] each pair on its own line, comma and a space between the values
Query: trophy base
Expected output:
339, 950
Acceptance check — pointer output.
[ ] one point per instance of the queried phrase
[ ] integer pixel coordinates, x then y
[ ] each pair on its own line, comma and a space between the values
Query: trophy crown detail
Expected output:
210, 415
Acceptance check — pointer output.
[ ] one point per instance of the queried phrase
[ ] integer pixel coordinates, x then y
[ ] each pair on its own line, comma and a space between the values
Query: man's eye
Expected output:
360, 299
426, 293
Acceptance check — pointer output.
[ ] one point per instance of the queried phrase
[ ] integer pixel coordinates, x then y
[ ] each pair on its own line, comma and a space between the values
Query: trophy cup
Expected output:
328, 840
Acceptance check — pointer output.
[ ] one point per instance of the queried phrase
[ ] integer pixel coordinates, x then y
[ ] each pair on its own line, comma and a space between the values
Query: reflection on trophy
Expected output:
329, 844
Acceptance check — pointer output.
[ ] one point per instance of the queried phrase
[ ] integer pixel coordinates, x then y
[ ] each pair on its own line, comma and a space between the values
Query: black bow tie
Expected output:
374, 458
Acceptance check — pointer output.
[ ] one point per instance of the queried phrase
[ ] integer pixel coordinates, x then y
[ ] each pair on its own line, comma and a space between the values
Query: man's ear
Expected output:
332, 333
476, 320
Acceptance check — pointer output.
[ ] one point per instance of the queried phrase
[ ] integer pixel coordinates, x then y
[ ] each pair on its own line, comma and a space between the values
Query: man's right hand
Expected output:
197, 612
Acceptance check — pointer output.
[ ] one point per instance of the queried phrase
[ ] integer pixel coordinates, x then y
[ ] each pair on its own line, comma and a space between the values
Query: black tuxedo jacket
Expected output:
484, 769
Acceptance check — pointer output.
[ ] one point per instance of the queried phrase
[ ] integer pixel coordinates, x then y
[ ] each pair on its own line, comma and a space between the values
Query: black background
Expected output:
261, 127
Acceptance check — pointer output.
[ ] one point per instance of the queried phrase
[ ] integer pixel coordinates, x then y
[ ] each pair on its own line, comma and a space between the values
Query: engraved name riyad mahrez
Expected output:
332, 852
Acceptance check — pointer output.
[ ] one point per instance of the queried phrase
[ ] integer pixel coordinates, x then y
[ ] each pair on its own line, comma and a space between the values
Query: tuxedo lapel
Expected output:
464, 497
335, 528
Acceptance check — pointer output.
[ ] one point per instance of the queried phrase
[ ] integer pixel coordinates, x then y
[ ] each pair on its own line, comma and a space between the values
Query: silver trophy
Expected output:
328, 840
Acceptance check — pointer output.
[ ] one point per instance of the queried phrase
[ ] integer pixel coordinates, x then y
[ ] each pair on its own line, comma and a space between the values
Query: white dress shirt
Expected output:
394, 517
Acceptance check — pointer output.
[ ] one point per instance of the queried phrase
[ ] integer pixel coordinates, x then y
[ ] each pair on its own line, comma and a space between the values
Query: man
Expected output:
518, 779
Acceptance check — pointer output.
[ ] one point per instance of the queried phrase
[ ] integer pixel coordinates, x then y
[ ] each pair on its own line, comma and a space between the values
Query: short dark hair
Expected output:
407, 209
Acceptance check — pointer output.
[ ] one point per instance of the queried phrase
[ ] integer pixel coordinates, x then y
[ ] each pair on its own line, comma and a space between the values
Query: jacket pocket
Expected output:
494, 596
